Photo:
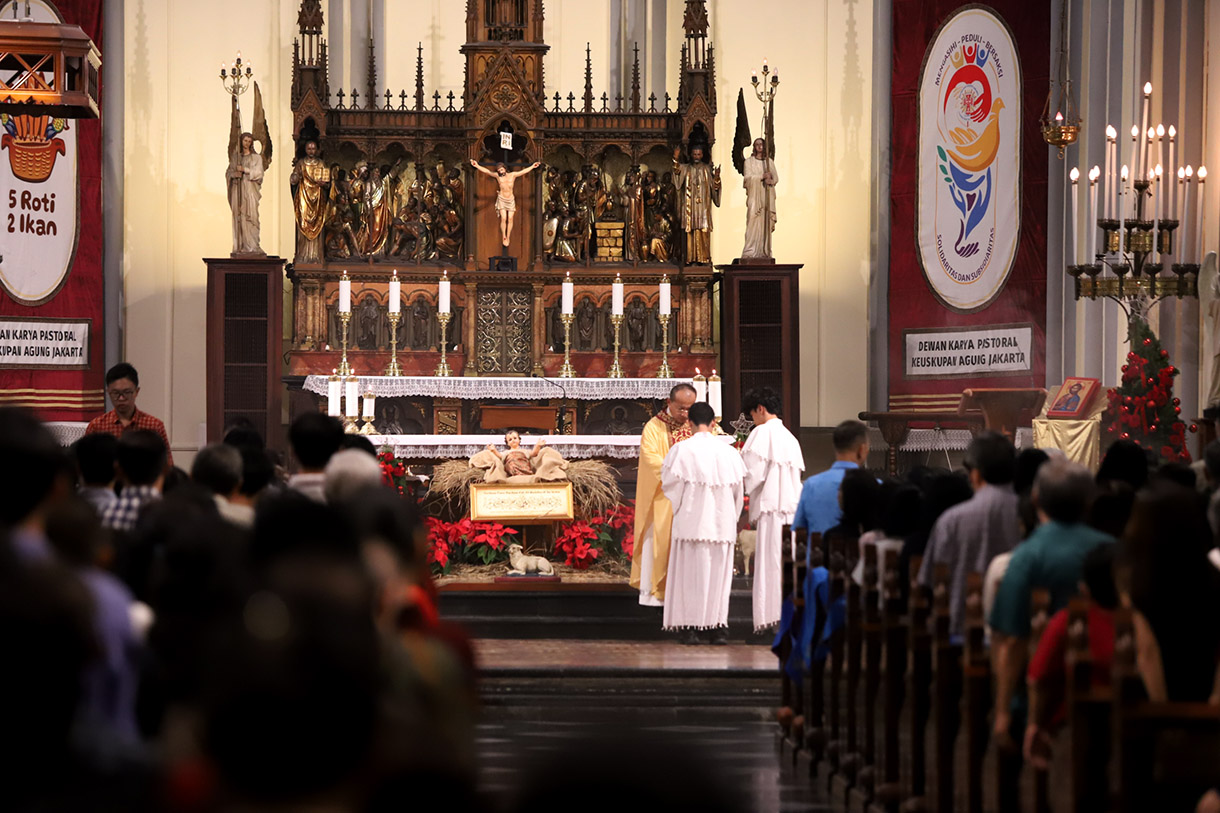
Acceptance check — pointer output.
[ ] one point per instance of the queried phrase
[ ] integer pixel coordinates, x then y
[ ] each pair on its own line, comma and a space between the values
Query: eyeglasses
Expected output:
125, 395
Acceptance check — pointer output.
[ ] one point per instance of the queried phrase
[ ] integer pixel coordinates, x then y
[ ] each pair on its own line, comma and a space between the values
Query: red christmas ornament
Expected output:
1124, 368
1177, 401
1151, 404
1164, 354
1125, 436
1130, 357
1150, 382
1194, 428
1177, 410
1147, 342
1171, 369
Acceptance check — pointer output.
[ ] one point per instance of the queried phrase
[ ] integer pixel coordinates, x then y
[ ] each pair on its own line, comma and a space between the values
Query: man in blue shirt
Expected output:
818, 511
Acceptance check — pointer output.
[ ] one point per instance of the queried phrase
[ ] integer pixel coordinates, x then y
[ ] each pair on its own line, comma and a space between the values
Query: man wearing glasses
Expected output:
123, 385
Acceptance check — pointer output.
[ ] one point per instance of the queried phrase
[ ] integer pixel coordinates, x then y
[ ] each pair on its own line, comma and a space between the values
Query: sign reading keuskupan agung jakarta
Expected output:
968, 351
969, 190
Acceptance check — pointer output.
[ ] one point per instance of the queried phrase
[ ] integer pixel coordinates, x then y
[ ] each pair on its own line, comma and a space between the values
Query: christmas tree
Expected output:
1143, 408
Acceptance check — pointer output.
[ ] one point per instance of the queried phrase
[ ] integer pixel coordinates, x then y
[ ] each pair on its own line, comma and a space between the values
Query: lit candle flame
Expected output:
1172, 132
1135, 131
1160, 131
1074, 175
1201, 174
1125, 173
1094, 174
1111, 133
1147, 88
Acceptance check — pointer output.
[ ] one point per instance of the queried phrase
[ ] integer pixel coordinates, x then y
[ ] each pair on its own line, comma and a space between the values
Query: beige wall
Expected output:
176, 130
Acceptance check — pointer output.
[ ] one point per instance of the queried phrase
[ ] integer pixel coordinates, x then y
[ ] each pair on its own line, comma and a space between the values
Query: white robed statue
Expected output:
245, 176
774, 464
760, 179
703, 479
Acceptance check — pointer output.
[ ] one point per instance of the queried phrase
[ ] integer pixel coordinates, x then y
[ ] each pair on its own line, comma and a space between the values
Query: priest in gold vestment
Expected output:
310, 180
653, 512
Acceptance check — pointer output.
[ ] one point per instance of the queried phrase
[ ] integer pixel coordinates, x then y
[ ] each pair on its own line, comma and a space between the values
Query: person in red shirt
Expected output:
1047, 674
123, 385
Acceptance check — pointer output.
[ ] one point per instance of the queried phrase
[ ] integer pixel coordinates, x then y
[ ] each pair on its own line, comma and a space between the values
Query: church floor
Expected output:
557, 707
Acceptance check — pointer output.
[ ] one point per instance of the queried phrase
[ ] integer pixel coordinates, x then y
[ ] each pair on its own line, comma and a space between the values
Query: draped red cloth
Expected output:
1023, 298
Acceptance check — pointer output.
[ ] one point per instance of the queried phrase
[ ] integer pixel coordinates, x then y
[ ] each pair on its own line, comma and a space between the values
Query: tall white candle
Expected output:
395, 294
1075, 250
1094, 174
616, 296
1202, 176
1149, 166
568, 294
1143, 128
1122, 209
368, 405
352, 397
334, 392
699, 382
1158, 184
1179, 191
1184, 237
345, 294
663, 301
1172, 169
1135, 148
1111, 183
442, 294
714, 393
1160, 145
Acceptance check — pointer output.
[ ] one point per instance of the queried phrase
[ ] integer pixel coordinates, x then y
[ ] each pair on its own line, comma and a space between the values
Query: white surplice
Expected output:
703, 479
774, 464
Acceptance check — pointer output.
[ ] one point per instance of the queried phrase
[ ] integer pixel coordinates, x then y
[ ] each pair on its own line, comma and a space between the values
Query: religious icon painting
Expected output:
1073, 398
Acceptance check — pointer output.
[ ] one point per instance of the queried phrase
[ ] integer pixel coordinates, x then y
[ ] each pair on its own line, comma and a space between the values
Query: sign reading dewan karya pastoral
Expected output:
969, 188
59, 343
1004, 349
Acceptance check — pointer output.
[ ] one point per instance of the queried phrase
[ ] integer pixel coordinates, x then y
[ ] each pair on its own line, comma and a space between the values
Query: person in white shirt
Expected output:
702, 478
774, 463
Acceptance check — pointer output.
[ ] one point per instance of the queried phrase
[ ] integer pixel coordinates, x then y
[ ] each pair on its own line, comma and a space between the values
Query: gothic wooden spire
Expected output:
588, 79
419, 78
372, 78
635, 81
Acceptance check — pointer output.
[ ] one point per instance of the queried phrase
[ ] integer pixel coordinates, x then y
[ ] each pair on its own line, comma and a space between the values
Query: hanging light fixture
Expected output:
47, 69
1060, 116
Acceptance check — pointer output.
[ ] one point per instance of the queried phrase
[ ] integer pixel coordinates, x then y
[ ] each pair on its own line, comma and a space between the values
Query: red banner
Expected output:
51, 332
967, 280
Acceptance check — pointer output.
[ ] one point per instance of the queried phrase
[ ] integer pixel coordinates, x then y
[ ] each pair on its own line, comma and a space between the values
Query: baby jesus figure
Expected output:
516, 462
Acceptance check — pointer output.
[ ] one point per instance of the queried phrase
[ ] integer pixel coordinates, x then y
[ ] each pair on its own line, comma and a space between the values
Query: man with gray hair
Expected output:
1051, 558
349, 472
218, 468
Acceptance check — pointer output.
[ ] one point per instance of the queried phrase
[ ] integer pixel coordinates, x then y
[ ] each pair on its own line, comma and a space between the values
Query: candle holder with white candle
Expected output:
616, 319
714, 393
345, 318
367, 414
664, 310
351, 404
443, 315
395, 313
566, 315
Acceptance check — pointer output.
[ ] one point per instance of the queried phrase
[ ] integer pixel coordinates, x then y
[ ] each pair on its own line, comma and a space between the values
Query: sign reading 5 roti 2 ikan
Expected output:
969, 164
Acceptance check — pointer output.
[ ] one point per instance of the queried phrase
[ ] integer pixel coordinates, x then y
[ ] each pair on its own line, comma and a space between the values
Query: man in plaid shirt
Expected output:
123, 385
140, 460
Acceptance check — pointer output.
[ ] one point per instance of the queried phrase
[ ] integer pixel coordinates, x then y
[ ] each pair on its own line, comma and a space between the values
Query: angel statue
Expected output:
245, 176
541, 464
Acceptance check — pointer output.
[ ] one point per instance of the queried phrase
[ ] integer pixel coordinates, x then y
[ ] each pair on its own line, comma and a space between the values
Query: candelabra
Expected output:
235, 80
442, 369
616, 369
1135, 286
345, 318
393, 368
664, 371
566, 370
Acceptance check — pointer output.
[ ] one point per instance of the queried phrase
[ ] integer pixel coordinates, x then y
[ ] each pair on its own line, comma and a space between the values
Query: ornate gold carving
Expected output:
505, 96
504, 331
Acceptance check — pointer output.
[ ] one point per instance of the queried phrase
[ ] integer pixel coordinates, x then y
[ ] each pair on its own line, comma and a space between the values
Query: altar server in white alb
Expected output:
702, 477
774, 464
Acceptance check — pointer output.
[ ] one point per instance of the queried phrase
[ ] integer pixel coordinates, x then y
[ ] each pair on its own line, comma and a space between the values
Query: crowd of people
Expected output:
1135, 534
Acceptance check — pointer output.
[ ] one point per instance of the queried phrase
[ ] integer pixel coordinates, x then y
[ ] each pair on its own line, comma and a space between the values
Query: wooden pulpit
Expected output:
1003, 409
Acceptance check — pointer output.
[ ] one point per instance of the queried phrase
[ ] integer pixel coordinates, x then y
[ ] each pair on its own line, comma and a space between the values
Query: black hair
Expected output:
243, 432
218, 467
32, 461
358, 442
75, 532
1125, 461
257, 470
860, 493
141, 456
1097, 573
993, 456
764, 397
1179, 474
94, 456
120, 371
1026, 469
1211, 459
900, 517
849, 435
702, 414
315, 438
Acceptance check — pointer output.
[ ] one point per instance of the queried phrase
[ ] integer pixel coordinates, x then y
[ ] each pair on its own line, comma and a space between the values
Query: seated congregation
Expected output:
1020, 636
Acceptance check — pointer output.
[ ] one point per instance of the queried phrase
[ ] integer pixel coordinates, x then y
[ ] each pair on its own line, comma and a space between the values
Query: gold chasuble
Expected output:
311, 177
652, 507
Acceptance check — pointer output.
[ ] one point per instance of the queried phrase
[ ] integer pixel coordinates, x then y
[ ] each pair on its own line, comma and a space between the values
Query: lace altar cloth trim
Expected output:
458, 447
67, 432
952, 440
588, 389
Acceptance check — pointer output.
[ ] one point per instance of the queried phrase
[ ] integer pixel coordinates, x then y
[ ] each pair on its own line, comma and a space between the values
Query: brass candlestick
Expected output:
393, 368
442, 369
566, 371
351, 415
664, 371
368, 429
616, 369
345, 369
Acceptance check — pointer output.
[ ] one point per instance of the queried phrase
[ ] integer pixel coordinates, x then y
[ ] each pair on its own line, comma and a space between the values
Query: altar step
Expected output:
609, 612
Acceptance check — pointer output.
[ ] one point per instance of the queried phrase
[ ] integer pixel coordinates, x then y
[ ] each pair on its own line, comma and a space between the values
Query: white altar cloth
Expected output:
461, 447
504, 388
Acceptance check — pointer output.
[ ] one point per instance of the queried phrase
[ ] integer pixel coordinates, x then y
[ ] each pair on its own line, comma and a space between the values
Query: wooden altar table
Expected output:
460, 447
507, 387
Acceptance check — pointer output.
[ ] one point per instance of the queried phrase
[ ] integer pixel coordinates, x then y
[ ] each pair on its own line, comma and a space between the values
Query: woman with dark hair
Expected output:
1164, 575
859, 496
900, 514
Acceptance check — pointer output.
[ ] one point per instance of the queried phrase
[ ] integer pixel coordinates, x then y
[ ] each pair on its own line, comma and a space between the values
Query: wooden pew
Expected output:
920, 643
798, 687
1145, 731
835, 745
785, 714
867, 778
888, 795
948, 691
852, 759
1039, 606
1088, 717
815, 717
977, 692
